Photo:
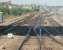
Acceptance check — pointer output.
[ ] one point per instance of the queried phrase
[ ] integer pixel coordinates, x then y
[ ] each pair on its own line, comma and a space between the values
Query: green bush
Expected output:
14, 10
18, 11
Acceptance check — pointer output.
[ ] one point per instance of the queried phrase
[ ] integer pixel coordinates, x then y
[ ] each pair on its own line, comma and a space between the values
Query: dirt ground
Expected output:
32, 44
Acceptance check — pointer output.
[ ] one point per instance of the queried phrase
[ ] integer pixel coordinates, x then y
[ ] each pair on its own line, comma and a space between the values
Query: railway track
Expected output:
19, 22
31, 44
33, 24
54, 24
36, 23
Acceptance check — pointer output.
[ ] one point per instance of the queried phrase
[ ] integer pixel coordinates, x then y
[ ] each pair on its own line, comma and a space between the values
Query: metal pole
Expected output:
40, 38
2, 18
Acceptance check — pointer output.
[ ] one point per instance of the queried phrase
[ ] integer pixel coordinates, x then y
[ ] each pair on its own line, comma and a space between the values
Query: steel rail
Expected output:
28, 36
51, 36
25, 39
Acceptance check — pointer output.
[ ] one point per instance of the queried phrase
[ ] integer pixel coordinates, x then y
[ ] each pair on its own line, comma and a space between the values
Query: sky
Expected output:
40, 2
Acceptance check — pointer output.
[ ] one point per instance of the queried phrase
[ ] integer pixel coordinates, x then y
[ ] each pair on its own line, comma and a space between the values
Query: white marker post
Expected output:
10, 35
